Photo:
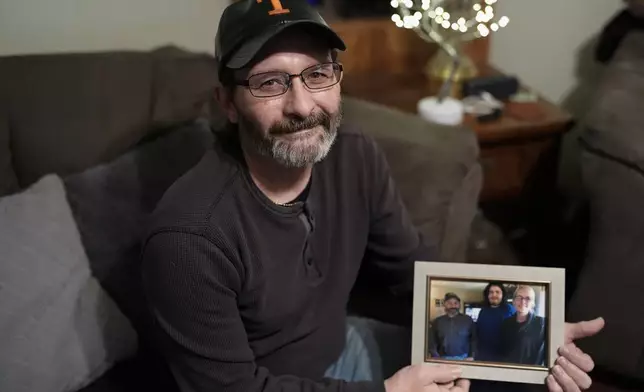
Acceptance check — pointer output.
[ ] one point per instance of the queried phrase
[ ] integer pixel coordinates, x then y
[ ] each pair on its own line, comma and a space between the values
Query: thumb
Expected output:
438, 374
583, 329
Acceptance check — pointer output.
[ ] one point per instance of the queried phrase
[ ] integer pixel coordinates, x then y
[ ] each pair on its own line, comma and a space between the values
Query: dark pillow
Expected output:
184, 84
111, 203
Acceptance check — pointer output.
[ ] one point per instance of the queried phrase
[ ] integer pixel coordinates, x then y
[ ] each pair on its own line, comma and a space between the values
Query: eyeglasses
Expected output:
273, 84
522, 299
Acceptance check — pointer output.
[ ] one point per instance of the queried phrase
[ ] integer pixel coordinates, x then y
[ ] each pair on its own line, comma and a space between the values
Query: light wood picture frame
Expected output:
550, 283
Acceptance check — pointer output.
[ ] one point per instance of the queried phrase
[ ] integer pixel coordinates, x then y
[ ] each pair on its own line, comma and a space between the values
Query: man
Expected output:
488, 323
523, 336
251, 255
453, 335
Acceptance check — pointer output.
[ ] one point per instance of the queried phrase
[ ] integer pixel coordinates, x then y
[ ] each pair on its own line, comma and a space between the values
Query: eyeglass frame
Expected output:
523, 299
338, 67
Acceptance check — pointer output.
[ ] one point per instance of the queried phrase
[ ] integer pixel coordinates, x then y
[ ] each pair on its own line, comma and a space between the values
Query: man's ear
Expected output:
224, 97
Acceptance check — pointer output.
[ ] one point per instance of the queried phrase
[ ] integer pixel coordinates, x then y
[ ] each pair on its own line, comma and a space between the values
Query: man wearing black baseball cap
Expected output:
452, 335
246, 26
252, 254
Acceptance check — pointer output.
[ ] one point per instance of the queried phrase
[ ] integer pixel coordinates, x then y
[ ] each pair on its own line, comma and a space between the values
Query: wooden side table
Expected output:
518, 151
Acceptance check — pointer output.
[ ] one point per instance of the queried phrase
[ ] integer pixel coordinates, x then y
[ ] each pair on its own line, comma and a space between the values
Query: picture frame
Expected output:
432, 279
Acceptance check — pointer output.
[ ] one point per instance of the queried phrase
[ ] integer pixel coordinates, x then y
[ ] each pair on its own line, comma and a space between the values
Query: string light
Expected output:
482, 21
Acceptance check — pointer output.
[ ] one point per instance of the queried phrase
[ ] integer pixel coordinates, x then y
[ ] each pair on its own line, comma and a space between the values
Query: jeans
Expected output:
459, 357
374, 351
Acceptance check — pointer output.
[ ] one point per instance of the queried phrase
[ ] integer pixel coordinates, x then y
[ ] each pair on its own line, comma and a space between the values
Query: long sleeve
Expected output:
394, 243
507, 339
473, 340
433, 341
192, 291
540, 342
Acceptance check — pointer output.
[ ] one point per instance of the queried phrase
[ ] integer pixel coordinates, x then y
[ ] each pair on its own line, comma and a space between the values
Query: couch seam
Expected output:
604, 154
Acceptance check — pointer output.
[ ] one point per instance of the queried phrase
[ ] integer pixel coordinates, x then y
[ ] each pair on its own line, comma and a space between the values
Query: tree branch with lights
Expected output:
449, 23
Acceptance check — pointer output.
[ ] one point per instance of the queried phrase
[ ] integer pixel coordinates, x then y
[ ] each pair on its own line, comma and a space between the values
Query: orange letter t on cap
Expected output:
277, 8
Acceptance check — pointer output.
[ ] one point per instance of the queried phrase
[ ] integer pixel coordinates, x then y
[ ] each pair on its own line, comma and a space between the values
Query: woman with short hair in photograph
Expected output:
523, 336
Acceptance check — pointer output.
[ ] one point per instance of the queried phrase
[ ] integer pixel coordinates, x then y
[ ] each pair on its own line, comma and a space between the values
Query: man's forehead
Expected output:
524, 290
296, 40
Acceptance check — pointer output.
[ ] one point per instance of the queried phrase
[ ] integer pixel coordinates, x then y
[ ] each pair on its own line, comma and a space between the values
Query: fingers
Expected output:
438, 374
439, 388
583, 329
581, 378
566, 382
577, 357
552, 384
461, 386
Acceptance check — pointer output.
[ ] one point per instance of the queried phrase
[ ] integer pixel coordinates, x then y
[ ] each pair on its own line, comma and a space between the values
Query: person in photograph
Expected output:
488, 323
452, 335
523, 336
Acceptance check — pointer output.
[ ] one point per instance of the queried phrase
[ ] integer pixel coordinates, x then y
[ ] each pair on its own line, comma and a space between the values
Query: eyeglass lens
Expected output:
522, 299
276, 83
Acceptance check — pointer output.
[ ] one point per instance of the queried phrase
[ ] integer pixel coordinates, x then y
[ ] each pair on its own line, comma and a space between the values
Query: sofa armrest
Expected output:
435, 167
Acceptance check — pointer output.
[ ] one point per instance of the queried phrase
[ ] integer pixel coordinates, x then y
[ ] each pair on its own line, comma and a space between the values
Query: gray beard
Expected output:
288, 153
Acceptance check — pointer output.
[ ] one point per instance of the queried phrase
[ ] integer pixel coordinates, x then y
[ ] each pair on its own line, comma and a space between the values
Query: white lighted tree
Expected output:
447, 20
449, 23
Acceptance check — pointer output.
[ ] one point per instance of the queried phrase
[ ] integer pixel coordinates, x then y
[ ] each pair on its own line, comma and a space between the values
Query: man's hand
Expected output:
427, 378
570, 374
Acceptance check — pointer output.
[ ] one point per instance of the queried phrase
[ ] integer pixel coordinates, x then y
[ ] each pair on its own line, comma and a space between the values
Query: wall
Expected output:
544, 39
33, 26
544, 32
474, 293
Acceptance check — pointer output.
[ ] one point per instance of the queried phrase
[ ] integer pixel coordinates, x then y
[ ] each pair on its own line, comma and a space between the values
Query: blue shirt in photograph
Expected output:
488, 331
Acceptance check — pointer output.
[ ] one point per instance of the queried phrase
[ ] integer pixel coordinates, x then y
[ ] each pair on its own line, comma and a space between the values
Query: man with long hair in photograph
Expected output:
523, 336
488, 323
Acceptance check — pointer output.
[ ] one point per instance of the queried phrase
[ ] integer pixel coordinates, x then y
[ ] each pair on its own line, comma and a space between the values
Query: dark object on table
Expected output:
501, 87
493, 116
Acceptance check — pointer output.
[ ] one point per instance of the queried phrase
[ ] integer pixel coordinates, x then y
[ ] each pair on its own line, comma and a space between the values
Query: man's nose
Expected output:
299, 100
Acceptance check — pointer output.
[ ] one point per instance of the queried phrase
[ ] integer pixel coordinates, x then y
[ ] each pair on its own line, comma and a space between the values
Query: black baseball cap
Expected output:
449, 296
247, 25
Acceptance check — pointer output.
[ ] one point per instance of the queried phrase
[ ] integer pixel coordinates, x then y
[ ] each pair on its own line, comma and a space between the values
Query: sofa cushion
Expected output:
435, 167
69, 112
111, 203
184, 85
59, 329
614, 123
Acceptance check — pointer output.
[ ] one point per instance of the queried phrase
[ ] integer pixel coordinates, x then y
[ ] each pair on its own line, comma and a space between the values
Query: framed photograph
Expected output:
497, 322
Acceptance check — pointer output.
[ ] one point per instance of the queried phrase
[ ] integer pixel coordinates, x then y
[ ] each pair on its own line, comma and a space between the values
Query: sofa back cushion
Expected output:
68, 112
111, 203
435, 168
615, 122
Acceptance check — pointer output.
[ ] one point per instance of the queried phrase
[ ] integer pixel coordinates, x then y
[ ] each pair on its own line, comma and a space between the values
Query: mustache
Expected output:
292, 125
